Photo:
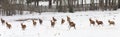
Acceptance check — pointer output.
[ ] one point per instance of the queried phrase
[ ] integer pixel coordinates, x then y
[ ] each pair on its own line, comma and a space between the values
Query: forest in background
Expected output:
13, 7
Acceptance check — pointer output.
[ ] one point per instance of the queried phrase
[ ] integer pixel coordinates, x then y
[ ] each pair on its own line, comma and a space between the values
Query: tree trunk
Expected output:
118, 3
70, 5
50, 3
106, 2
85, 5
60, 6
77, 3
56, 2
82, 3
114, 6
101, 4
92, 5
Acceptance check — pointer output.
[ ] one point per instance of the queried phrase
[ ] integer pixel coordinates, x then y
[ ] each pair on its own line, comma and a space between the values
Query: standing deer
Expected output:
34, 22
2, 21
111, 22
8, 25
62, 21
91, 21
23, 26
68, 18
99, 22
72, 24
40, 21
52, 23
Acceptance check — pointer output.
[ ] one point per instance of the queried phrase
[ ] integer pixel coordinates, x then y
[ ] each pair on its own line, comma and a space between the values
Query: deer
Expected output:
62, 21
99, 22
23, 26
40, 21
72, 24
34, 22
52, 23
8, 25
2, 21
111, 22
68, 18
54, 19
91, 21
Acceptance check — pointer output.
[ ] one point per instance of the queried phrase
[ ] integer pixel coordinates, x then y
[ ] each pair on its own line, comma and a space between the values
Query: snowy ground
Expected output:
81, 19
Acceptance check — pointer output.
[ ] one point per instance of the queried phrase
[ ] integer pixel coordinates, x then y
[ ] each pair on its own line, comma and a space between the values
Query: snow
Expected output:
81, 19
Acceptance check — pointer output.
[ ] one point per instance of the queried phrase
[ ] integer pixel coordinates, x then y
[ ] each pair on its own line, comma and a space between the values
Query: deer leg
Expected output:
74, 27
69, 27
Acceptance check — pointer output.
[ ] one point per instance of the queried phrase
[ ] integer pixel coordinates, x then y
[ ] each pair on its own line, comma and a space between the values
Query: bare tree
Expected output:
101, 4
70, 5
109, 4
85, 3
92, 5
21, 1
118, 3
106, 4
114, 5
60, 6
77, 2
56, 2
81, 5
13, 1
7, 7
36, 2
50, 3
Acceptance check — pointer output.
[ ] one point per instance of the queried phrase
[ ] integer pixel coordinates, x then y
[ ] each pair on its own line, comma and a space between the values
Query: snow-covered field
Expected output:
81, 19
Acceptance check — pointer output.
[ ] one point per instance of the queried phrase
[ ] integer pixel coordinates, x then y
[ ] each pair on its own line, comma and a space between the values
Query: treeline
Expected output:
8, 7
13, 7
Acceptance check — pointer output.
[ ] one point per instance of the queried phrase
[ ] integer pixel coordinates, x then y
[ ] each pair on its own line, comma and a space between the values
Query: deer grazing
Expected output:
34, 22
62, 21
99, 22
111, 22
23, 26
40, 21
91, 21
52, 23
2, 21
8, 25
72, 24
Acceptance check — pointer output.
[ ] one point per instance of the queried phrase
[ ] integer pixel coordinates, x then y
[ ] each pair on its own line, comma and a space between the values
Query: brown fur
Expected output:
34, 22
62, 21
8, 25
54, 19
40, 21
111, 22
99, 22
52, 23
2, 21
72, 24
23, 26
91, 21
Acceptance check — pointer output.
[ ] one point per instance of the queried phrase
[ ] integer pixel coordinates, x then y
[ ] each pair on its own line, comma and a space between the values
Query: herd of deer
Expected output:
23, 26
7, 24
53, 21
99, 22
